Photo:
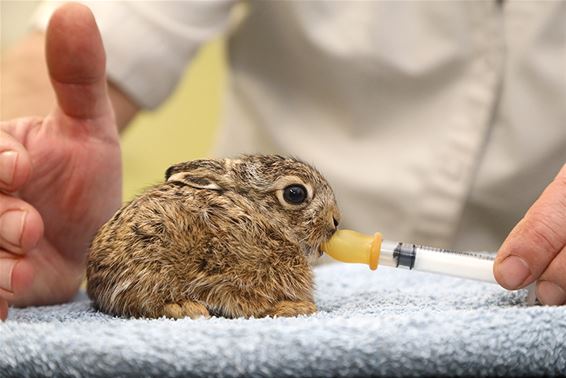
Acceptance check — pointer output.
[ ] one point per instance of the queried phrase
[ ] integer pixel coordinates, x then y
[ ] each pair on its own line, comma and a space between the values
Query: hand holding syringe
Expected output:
354, 247
534, 251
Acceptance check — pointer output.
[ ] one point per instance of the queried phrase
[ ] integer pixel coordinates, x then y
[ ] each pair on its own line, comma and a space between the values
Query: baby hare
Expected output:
229, 237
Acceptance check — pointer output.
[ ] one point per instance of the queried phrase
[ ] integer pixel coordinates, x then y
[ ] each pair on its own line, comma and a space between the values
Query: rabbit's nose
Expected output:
336, 222
335, 218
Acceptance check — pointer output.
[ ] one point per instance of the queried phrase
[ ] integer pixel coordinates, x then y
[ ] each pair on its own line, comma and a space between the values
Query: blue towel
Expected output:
389, 322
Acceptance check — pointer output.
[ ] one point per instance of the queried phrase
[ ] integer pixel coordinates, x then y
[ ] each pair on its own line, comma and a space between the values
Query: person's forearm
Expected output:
25, 89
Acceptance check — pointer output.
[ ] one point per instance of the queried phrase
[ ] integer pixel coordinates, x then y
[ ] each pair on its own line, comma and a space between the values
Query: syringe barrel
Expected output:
473, 265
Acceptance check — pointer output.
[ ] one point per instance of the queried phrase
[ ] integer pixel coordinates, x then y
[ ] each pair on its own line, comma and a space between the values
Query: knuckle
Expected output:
556, 270
21, 225
6, 139
544, 235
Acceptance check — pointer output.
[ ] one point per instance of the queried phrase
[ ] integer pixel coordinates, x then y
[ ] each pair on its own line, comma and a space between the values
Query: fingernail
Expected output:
12, 226
550, 294
514, 271
6, 268
8, 161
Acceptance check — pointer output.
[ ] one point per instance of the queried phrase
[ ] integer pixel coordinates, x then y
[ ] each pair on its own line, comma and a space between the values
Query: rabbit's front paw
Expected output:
191, 309
290, 309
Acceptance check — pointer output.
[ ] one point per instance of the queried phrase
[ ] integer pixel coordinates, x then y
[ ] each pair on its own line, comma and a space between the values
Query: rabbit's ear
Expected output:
200, 174
194, 181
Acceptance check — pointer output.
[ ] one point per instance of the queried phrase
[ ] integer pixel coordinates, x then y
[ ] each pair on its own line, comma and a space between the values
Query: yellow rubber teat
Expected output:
354, 247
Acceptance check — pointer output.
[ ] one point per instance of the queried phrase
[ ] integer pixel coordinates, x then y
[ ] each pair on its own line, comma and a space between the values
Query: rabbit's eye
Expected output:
295, 194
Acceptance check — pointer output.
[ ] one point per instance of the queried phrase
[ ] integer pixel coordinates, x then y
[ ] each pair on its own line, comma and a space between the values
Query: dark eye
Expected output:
295, 194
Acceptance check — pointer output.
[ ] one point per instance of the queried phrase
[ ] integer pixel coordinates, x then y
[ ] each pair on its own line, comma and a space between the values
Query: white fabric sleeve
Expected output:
148, 44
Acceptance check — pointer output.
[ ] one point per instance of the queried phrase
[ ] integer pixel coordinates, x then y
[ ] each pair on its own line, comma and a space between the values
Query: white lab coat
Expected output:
435, 122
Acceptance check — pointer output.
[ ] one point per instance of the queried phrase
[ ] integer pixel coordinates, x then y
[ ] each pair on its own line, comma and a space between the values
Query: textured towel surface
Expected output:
389, 322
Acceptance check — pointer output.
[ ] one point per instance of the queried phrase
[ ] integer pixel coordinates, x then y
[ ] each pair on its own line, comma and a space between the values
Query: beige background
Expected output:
181, 129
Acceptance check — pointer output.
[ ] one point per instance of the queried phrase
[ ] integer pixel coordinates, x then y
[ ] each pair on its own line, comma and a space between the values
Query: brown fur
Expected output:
216, 238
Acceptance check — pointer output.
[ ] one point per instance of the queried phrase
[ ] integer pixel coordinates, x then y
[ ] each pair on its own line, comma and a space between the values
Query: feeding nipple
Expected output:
354, 247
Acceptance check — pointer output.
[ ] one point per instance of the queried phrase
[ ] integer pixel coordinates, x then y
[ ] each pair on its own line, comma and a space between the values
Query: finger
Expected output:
15, 163
76, 62
16, 275
21, 226
551, 288
32, 279
536, 240
3, 309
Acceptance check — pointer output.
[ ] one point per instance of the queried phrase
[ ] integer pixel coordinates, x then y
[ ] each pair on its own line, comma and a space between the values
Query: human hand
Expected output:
535, 250
60, 176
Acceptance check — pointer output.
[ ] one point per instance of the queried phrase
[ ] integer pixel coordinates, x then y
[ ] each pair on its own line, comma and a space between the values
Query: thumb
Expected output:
76, 62
536, 240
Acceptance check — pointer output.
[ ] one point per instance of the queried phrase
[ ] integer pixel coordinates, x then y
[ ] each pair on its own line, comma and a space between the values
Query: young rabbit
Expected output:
231, 237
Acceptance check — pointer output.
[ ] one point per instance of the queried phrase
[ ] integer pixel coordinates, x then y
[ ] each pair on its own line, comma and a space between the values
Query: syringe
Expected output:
354, 247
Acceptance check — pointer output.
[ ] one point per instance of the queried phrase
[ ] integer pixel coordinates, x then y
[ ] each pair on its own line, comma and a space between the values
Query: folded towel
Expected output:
385, 323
